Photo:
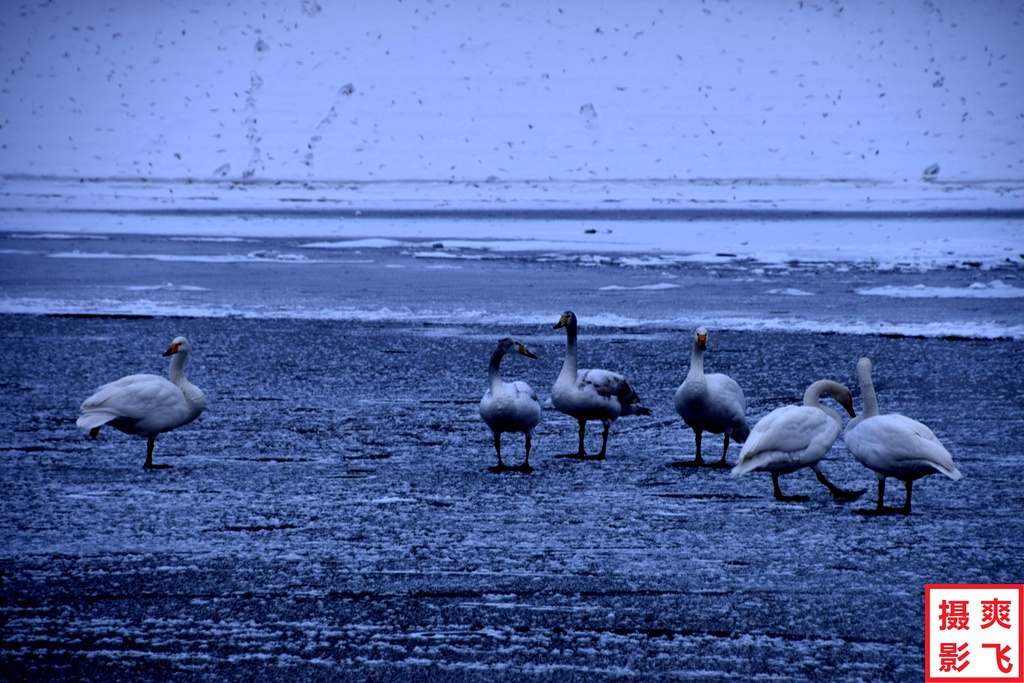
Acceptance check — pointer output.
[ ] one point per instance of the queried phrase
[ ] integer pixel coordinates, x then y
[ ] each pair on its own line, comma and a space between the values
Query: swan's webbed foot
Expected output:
779, 496
581, 456
152, 466
843, 496
792, 499
838, 494
882, 512
501, 467
696, 462
721, 464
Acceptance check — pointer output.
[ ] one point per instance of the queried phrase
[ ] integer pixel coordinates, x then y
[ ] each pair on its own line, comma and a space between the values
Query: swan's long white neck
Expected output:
176, 372
869, 401
696, 370
494, 372
569, 365
812, 397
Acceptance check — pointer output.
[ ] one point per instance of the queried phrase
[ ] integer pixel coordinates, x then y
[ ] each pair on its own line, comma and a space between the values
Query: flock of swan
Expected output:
783, 441
787, 439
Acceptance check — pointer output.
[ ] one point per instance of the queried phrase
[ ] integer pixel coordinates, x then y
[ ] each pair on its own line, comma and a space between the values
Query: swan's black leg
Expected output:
722, 462
782, 498
906, 505
580, 454
500, 467
837, 493
525, 467
697, 461
880, 508
94, 432
149, 456
604, 442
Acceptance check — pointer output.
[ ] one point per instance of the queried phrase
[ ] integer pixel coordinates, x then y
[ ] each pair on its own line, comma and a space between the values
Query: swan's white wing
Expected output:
139, 404
714, 403
788, 437
727, 396
517, 410
522, 391
897, 446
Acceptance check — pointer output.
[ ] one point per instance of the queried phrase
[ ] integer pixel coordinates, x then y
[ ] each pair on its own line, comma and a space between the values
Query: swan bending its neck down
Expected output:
710, 403
893, 445
146, 405
591, 394
792, 437
509, 406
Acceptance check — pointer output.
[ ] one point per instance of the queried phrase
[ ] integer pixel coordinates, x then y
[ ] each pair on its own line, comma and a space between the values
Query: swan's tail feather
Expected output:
953, 473
93, 420
744, 466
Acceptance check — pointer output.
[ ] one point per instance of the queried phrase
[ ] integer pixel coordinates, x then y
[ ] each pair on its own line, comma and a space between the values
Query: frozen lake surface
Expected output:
331, 515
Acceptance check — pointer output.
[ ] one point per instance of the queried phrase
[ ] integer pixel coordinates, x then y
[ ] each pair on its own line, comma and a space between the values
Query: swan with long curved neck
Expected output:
792, 437
893, 445
710, 403
591, 394
146, 405
509, 406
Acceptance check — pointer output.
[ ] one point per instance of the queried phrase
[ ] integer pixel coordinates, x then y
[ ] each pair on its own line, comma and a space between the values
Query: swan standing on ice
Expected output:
792, 437
146, 405
893, 445
591, 394
710, 403
509, 406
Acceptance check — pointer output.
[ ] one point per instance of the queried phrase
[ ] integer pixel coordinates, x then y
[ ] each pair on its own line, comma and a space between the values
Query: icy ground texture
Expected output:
331, 516
902, 285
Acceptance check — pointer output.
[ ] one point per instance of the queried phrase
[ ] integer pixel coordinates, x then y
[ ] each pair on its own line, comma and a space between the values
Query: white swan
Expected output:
591, 394
792, 437
146, 405
710, 403
509, 406
893, 445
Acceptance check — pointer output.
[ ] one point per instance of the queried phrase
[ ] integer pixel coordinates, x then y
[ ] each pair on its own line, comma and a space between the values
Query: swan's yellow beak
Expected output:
526, 352
702, 342
562, 322
171, 351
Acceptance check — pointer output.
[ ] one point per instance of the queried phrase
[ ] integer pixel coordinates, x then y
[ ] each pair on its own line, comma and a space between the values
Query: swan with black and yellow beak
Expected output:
591, 394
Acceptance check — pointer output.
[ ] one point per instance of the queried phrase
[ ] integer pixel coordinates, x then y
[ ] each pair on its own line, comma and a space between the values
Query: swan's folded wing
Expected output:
793, 433
899, 444
727, 394
604, 382
136, 397
523, 391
